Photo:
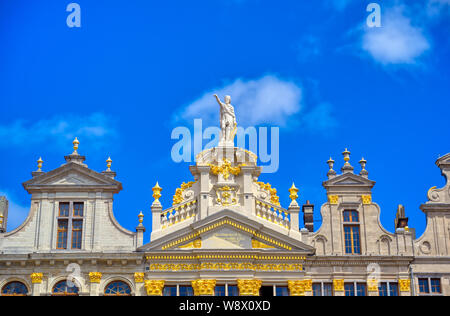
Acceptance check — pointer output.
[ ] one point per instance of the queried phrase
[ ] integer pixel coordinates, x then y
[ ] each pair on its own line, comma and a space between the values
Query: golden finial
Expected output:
293, 192
141, 217
346, 155
39, 163
156, 191
75, 145
108, 163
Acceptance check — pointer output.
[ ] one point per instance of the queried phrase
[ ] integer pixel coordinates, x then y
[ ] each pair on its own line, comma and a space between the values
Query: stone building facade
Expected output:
225, 234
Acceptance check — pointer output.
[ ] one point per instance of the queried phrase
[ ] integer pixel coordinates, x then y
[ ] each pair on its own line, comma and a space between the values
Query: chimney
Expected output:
308, 214
401, 221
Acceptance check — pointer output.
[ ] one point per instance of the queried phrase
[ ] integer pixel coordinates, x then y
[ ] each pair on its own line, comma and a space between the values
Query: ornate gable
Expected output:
227, 230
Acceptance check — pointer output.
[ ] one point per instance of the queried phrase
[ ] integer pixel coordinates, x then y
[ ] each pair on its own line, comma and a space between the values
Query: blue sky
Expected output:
135, 70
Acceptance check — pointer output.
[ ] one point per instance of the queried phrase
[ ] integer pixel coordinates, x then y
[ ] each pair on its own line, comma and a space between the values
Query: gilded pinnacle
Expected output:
156, 191
40, 162
75, 146
293, 192
108, 163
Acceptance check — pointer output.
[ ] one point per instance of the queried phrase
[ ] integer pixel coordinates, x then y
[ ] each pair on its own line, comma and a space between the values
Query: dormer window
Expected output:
70, 225
351, 232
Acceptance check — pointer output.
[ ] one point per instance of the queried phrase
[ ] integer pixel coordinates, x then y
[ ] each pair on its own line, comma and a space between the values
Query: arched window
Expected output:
117, 288
64, 289
14, 289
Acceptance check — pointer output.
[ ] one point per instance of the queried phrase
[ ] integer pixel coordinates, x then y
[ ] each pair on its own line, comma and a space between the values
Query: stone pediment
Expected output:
73, 176
349, 179
229, 231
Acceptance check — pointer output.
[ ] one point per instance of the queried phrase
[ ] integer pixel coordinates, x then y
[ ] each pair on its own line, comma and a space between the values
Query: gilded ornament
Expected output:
156, 191
178, 197
203, 287
36, 278
225, 169
366, 199
95, 277
296, 288
333, 199
338, 285
405, 285
139, 277
293, 192
154, 287
249, 287
372, 285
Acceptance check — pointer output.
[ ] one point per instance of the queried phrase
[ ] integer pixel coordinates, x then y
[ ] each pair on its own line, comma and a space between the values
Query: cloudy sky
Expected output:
135, 70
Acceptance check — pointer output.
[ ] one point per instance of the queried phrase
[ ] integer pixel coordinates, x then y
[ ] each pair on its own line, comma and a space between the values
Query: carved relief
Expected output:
425, 247
226, 195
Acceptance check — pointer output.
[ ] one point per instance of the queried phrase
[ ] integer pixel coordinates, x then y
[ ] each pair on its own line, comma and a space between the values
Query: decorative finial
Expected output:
293, 192
331, 172
364, 172
75, 146
156, 192
108, 164
141, 218
347, 166
39, 164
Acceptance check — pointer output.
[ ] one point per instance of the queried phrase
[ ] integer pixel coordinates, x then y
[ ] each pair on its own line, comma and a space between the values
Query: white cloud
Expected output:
320, 118
16, 213
58, 130
268, 100
397, 41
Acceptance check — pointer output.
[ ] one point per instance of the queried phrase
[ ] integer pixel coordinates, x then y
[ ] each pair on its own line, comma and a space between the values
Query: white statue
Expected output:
228, 123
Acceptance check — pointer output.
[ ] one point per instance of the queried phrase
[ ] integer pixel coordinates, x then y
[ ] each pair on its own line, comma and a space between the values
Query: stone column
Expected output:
139, 283
203, 287
95, 278
154, 287
249, 287
338, 287
36, 280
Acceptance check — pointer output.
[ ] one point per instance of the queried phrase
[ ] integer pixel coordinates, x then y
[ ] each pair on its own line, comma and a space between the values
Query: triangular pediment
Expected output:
227, 230
349, 179
72, 175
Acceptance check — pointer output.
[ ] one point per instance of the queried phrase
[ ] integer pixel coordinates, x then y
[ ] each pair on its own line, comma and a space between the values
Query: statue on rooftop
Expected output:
228, 123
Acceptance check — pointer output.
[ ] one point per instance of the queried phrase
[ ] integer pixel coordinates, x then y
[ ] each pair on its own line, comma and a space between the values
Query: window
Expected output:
388, 289
351, 217
77, 227
70, 225
351, 232
233, 290
427, 284
219, 290
282, 291
186, 290
170, 291
14, 289
435, 285
65, 289
117, 288
322, 289
423, 286
62, 234
355, 289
